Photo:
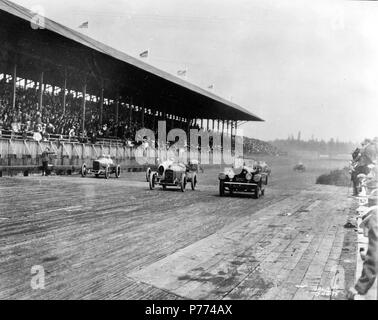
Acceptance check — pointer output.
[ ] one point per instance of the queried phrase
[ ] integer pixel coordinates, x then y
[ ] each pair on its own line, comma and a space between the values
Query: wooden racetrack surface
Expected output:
116, 239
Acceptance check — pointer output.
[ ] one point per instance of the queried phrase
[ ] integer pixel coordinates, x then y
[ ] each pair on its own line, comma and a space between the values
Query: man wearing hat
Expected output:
45, 161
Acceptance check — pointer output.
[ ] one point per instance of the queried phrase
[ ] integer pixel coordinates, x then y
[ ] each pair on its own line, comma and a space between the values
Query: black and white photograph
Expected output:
200, 152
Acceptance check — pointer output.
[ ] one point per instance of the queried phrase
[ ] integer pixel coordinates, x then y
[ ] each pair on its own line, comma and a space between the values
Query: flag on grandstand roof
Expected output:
144, 54
84, 25
211, 86
181, 72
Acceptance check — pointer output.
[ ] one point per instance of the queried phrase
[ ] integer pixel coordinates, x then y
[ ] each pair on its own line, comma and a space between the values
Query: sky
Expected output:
309, 66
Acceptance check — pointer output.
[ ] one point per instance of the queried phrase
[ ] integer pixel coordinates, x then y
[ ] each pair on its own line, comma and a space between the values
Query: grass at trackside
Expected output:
340, 177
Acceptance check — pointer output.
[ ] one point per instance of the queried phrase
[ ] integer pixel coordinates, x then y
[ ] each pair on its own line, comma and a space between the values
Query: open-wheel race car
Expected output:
102, 166
251, 176
299, 167
174, 174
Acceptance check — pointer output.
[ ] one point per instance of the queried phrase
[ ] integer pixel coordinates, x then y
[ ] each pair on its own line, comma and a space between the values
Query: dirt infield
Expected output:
116, 239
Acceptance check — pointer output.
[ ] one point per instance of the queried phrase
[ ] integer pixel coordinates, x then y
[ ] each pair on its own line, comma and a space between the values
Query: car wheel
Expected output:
152, 181
221, 188
193, 182
183, 183
107, 173
148, 172
257, 192
96, 175
83, 170
263, 192
164, 187
118, 171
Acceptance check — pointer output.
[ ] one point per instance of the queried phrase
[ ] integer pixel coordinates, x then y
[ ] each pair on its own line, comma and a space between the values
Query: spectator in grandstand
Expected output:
71, 133
38, 119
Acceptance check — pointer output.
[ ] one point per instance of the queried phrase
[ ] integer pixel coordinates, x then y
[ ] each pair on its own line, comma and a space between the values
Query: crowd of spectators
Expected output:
255, 146
29, 120
364, 176
53, 120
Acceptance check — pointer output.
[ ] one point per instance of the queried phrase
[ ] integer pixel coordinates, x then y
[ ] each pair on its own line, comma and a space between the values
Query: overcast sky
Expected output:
300, 65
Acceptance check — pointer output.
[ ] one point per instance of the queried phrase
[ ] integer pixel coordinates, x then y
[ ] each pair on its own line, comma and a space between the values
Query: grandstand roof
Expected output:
57, 47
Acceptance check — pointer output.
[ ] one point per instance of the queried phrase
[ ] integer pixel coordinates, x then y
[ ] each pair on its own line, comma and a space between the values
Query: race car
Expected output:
250, 177
102, 166
299, 167
172, 173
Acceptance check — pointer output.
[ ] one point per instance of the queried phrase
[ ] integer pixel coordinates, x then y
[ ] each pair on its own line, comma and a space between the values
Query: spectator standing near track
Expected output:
45, 161
370, 265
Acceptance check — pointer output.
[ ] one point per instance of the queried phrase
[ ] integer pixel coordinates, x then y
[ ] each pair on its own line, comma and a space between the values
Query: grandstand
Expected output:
61, 88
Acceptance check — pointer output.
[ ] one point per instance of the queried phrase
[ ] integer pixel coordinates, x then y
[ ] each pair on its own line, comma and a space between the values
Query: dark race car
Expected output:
174, 174
101, 166
300, 167
250, 177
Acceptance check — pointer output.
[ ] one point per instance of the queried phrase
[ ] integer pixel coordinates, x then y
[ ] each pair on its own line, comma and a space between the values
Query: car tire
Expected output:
151, 181
107, 173
118, 171
164, 187
183, 183
193, 182
83, 170
221, 188
148, 172
257, 192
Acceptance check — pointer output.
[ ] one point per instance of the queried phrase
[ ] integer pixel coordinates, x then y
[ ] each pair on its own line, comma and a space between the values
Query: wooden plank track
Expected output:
116, 239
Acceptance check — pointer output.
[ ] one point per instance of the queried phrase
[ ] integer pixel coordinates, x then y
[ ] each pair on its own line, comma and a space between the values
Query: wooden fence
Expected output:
24, 152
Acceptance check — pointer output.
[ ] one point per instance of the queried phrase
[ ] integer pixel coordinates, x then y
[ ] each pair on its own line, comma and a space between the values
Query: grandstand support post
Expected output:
116, 115
14, 86
164, 113
218, 125
222, 127
207, 125
236, 128
41, 91
231, 125
154, 122
131, 112
201, 123
142, 115
213, 124
64, 90
101, 103
228, 125
84, 94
